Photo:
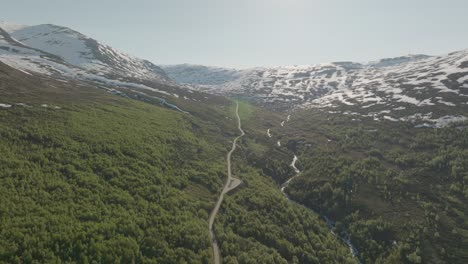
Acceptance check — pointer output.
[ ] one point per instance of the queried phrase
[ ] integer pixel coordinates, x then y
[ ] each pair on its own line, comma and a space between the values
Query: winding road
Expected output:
231, 183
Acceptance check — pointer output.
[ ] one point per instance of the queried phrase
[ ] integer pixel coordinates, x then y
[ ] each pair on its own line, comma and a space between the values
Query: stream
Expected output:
330, 223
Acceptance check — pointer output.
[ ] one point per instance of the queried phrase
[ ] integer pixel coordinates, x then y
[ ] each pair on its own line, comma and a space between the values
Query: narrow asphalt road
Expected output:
231, 183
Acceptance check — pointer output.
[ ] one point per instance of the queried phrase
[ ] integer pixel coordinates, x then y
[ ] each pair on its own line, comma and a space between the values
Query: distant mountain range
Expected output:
305, 85
430, 89
413, 87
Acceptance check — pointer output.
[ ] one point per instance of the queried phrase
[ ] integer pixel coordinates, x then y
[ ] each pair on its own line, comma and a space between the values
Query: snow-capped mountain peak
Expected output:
86, 53
59, 52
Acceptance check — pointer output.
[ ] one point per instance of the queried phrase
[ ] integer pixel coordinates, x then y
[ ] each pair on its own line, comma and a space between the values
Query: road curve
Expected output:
230, 184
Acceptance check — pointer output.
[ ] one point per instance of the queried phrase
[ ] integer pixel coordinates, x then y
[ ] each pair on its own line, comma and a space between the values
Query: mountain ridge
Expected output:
84, 52
60, 52
427, 87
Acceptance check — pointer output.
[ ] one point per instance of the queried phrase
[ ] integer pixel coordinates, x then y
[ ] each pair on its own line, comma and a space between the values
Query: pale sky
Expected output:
247, 33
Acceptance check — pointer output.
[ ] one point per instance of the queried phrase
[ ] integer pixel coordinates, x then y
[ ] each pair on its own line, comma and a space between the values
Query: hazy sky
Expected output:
243, 33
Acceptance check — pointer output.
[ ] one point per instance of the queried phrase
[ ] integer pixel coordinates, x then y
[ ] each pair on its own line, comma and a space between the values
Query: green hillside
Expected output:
91, 177
399, 191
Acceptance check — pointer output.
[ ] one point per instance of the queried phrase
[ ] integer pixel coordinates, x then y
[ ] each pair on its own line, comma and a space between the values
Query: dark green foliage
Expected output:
400, 192
106, 183
267, 228
105, 179
257, 223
